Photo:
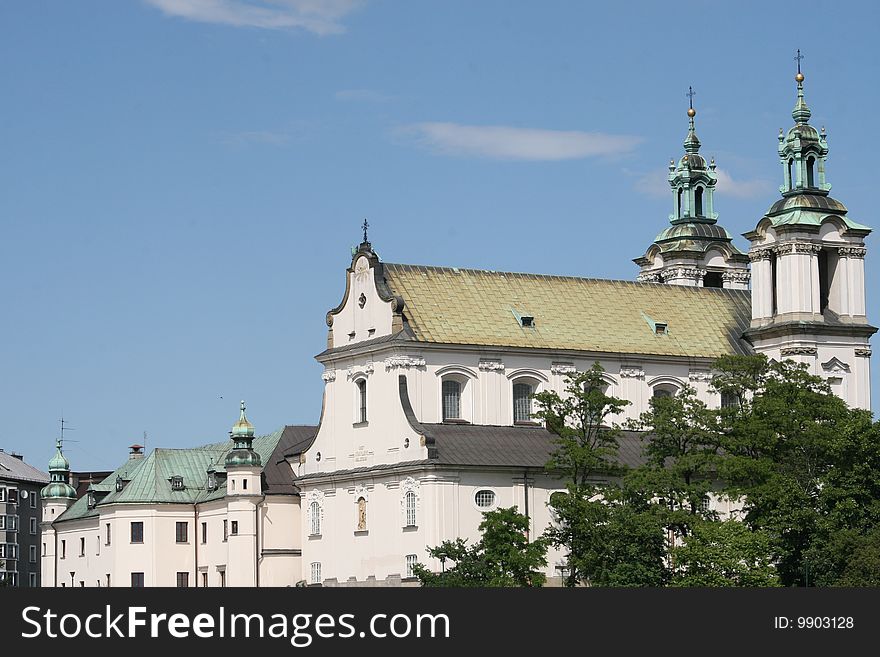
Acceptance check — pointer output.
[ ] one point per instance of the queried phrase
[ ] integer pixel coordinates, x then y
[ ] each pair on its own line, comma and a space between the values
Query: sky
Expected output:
181, 181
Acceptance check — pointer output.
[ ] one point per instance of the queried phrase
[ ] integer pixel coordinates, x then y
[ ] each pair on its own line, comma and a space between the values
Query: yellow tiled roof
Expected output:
470, 306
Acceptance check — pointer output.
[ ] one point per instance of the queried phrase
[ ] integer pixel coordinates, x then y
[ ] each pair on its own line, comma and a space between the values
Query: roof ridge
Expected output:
556, 276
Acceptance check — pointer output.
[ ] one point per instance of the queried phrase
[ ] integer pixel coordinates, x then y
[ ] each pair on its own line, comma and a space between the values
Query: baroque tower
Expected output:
56, 496
808, 269
243, 494
694, 250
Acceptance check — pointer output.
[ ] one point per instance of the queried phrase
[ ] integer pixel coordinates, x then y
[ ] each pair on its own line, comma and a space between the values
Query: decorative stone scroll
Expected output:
491, 366
329, 376
354, 370
404, 362
760, 254
562, 368
863, 353
799, 351
736, 276
632, 372
852, 251
700, 375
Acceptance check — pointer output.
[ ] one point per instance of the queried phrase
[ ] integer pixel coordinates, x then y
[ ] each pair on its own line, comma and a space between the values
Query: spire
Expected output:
801, 113
691, 143
242, 428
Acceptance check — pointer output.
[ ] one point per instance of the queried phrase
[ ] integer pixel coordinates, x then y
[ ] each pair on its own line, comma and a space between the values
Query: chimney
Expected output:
16, 455
135, 451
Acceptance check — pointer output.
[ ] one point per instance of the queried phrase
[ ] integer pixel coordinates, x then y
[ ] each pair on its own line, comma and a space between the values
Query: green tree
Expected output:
586, 443
806, 466
724, 554
503, 557
681, 452
613, 537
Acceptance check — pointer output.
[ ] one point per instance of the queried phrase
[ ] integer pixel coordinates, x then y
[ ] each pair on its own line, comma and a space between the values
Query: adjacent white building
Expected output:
429, 374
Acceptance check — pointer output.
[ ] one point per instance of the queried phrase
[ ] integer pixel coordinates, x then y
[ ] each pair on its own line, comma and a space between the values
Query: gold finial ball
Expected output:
799, 77
692, 112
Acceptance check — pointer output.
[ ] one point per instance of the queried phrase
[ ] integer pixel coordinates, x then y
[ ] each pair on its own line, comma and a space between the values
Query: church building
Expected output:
429, 374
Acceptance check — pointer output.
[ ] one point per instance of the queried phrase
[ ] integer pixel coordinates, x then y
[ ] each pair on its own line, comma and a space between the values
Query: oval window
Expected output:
484, 498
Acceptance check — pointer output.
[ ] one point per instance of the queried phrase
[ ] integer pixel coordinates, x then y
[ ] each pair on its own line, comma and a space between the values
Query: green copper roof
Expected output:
58, 490
148, 479
242, 428
59, 462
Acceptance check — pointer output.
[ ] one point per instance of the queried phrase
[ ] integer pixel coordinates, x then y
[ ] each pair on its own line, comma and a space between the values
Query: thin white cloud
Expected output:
321, 17
755, 188
362, 95
509, 143
656, 185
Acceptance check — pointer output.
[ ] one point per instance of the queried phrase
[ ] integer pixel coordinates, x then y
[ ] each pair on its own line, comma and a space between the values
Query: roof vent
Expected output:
660, 328
527, 321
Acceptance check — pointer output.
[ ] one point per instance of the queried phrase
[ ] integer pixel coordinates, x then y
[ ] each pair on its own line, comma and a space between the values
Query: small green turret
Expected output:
242, 452
59, 472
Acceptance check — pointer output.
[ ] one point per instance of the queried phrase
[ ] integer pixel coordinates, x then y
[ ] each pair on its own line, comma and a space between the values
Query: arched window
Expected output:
362, 514
664, 390
811, 162
522, 402
698, 202
315, 513
729, 400
451, 399
791, 180
774, 302
410, 504
362, 397
680, 192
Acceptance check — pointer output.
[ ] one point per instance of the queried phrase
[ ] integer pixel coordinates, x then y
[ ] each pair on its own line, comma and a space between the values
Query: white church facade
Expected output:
429, 374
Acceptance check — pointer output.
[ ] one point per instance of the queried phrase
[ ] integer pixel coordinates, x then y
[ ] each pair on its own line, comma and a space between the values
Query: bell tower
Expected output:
808, 269
695, 250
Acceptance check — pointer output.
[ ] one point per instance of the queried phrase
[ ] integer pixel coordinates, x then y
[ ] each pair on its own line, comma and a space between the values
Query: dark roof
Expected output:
510, 446
277, 473
12, 467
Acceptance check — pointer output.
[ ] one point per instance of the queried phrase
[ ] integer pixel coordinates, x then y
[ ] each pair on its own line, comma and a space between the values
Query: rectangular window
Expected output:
33, 500
137, 533
362, 394
82, 546
180, 534
2, 522
63, 549
182, 580
12, 523
2, 494
316, 572
222, 579
451, 399
44, 549
204, 532
33, 526
225, 530
12, 495
204, 580
107, 531
108, 580
235, 527
33, 553
411, 561
137, 580
32, 580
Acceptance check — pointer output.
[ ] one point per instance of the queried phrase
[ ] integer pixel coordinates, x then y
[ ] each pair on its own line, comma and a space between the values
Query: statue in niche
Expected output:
362, 514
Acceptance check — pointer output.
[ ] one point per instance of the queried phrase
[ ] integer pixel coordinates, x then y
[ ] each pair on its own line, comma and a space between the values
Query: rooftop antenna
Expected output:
64, 428
145, 442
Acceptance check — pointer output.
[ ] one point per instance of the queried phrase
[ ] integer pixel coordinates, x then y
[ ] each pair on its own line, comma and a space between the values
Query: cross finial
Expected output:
799, 57
365, 226
690, 94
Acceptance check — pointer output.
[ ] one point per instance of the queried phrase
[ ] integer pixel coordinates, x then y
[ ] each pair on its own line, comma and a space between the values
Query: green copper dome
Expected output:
242, 428
242, 452
59, 469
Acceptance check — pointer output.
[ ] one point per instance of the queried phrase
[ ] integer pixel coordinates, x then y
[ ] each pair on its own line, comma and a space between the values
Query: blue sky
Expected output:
181, 180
